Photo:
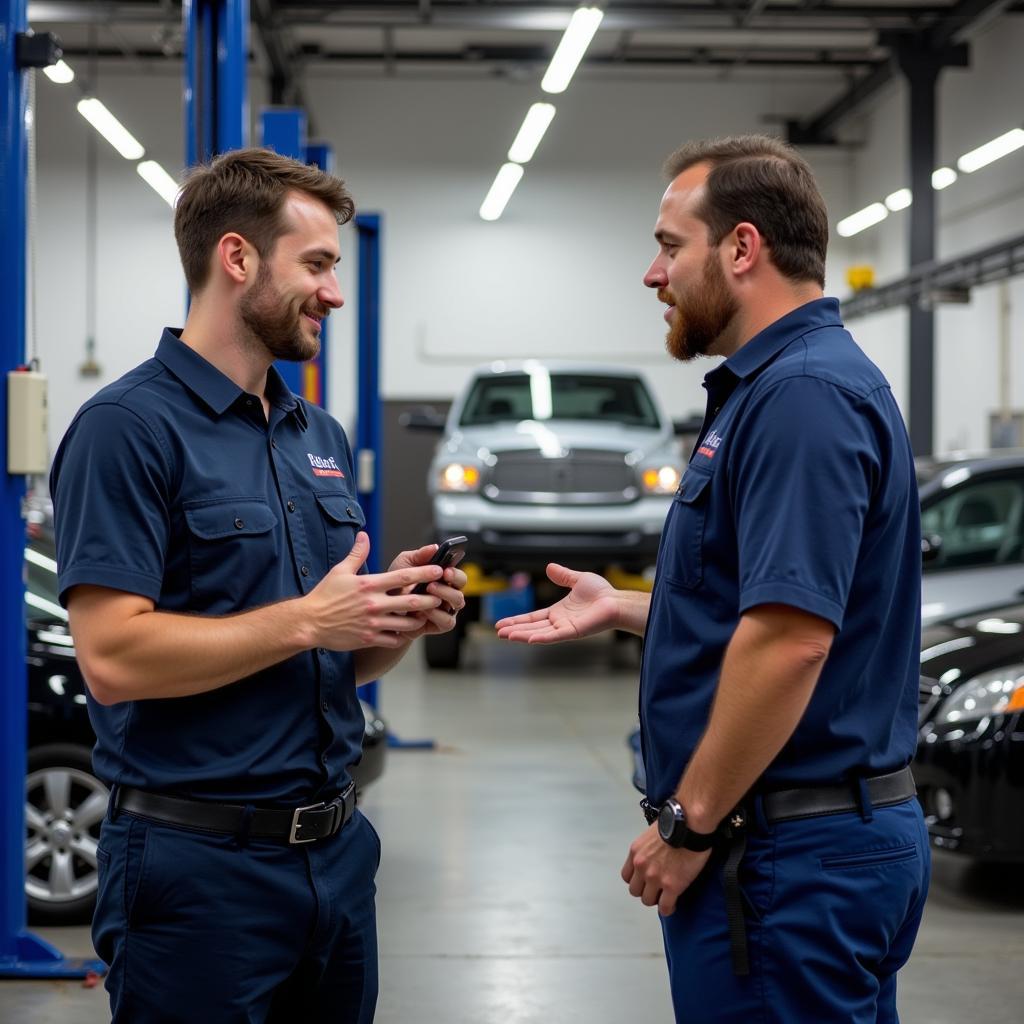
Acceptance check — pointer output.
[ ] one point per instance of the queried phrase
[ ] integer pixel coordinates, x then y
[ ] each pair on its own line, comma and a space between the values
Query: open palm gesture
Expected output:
589, 607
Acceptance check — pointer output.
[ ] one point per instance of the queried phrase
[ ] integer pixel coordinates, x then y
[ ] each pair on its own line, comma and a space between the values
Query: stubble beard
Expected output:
710, 309
273, 325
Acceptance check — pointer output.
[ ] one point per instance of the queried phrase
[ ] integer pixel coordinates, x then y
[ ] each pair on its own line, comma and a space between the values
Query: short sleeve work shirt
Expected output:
800, 491
171, 483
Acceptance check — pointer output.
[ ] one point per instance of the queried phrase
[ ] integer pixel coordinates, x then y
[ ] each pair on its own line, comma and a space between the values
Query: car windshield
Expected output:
41, 597
542, 395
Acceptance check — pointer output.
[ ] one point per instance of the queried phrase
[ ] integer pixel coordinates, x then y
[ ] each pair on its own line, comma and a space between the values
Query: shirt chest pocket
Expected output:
683, 538
342, 519
233, 550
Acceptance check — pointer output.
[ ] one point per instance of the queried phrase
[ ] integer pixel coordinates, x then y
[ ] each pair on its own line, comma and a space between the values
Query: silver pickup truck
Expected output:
552, 461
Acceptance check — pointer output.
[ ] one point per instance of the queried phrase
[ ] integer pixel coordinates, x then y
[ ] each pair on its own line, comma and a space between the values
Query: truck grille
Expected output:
581, 477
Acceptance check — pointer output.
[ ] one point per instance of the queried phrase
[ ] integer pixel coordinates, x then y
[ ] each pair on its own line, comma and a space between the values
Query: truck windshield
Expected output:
540, 395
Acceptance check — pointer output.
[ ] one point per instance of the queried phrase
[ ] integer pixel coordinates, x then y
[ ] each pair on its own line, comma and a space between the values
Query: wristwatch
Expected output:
673, 829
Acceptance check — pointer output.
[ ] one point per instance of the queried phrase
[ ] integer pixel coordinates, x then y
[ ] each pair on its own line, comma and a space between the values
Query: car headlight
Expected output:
660, 479
459, 477
991, 693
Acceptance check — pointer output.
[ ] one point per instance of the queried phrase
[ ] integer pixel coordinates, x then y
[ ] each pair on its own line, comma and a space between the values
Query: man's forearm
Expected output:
634, 606
768, 675
163, 654
373, 662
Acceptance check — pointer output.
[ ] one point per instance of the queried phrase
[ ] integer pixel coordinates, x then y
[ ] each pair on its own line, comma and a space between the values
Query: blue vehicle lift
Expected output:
22, 954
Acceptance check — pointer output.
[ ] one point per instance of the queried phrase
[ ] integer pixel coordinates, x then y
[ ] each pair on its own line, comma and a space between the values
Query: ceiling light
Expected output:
899, 200
111, 129
159, 180
582, 26
60, 73
535, 124
983, 155
861, 220
501, 191
943, 178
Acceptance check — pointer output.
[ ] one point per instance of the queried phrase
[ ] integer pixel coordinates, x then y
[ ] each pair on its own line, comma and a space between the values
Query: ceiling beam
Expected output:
956, 25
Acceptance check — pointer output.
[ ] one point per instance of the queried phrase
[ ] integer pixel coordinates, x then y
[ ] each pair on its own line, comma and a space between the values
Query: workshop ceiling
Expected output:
852, 42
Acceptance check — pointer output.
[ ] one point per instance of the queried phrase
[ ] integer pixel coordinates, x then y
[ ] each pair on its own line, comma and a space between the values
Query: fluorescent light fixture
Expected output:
159, 180
60, 73
943, 178
899, 200
983, 155
862, 219
535, 124
111, 129
582, 26
501, 191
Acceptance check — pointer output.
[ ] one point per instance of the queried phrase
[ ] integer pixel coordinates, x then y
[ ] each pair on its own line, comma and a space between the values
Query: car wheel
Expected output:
64, 807
442, 650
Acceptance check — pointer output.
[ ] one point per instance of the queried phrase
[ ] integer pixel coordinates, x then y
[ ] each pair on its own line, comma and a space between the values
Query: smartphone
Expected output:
449, 553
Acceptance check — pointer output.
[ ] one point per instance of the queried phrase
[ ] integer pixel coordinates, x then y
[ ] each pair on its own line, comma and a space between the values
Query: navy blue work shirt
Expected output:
170, 483
800, 491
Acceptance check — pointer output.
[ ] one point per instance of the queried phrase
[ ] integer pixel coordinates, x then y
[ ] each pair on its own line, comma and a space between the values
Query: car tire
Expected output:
64, 807
442, 651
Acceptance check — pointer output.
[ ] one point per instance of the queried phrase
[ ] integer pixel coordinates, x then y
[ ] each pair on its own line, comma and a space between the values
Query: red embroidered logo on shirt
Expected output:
711, 445
324, 467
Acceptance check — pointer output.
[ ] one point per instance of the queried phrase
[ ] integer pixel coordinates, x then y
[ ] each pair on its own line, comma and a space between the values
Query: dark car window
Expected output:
559, 396
42, 602
979, 523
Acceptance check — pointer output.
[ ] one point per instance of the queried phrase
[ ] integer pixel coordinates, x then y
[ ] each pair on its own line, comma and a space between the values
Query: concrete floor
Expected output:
499, 896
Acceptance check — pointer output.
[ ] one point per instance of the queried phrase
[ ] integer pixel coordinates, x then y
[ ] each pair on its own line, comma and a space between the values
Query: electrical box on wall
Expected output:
27, 446
1006, 429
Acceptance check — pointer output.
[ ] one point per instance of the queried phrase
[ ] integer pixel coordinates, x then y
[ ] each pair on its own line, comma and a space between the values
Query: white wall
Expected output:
975, 105
560, 273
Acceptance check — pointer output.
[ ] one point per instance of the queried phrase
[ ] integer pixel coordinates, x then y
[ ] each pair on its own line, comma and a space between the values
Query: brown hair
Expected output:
245, 191
764, 181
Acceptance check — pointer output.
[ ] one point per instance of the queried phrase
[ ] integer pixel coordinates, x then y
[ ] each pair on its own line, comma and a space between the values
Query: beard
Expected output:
274, 325
709, 310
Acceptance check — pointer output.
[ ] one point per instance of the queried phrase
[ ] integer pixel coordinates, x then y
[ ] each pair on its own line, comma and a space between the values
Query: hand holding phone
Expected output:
448, 555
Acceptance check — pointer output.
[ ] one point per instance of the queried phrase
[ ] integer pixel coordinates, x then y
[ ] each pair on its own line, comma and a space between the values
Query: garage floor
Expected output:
499, 897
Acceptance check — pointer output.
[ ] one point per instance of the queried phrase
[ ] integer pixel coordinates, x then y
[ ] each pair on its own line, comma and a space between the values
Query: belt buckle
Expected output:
293, 837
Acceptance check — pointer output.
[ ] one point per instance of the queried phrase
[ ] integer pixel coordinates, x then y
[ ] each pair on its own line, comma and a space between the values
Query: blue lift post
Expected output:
22, 954
216, 84
369, 435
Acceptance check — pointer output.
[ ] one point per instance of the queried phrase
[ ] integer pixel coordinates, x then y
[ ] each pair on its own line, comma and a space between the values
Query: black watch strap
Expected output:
674, 830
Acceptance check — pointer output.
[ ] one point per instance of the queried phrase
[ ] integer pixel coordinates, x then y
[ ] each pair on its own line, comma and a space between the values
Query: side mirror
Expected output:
931, 547
423, 417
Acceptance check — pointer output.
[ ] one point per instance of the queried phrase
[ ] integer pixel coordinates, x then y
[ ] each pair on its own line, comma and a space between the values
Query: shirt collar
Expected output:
767, 344
213, 388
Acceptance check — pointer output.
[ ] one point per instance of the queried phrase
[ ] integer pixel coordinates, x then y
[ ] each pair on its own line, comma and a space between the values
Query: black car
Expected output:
970, 754
65, 802
969, 764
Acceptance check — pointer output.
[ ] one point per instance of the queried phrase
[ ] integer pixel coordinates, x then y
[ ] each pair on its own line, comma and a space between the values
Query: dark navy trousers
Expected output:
202, 928
832, 907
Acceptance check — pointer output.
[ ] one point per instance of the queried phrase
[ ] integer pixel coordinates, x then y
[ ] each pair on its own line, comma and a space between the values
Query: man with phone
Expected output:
784, 850
212, 559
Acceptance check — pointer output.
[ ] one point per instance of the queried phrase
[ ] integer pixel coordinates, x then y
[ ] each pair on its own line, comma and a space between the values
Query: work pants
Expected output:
832, 906
204, 929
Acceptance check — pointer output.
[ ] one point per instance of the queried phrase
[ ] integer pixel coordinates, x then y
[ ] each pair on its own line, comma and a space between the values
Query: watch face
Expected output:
667, 820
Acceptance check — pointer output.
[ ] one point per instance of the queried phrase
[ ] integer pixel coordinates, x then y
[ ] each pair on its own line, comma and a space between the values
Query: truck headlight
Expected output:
459, 477
991, 693
660, 479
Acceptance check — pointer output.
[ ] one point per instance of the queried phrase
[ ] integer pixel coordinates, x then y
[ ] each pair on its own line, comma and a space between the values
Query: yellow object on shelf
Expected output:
860, 277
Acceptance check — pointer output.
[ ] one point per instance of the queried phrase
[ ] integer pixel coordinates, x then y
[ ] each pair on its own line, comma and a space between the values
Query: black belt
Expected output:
296, 825
817, 801
789, 805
